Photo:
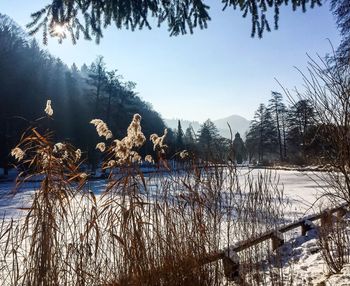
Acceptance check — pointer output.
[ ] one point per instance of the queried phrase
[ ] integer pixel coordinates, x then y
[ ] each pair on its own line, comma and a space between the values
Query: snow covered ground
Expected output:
302, 257
303, 263
13, 201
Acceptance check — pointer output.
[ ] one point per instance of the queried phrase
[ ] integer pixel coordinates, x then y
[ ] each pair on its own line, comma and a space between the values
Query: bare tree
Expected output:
327, 89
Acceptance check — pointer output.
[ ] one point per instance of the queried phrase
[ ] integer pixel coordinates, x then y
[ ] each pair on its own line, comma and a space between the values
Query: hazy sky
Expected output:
213, 73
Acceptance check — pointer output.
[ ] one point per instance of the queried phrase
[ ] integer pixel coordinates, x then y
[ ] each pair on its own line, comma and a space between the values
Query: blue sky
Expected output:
212, 73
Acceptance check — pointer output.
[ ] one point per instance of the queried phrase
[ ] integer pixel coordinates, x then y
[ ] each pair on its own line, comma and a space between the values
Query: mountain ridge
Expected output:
237, 123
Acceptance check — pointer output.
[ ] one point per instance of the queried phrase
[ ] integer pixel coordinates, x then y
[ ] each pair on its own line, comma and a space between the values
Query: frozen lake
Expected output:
301, 189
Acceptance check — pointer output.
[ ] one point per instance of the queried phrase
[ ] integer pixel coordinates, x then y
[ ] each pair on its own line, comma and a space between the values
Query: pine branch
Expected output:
181, 16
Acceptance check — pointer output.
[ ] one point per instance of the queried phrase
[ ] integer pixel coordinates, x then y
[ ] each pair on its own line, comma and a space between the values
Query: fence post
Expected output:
326, 219
306, 226
341, 212
277, 239
231, 265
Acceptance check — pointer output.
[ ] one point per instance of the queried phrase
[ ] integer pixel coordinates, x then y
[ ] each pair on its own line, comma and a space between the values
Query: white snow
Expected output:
302, 261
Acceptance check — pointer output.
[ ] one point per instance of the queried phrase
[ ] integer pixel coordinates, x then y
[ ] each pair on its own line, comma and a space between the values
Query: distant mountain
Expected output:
237, 123
172, 123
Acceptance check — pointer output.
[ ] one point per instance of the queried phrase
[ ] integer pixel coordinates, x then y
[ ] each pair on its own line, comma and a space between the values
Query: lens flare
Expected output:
59, 30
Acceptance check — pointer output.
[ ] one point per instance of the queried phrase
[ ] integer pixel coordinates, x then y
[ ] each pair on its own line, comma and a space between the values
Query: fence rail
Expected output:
231, 266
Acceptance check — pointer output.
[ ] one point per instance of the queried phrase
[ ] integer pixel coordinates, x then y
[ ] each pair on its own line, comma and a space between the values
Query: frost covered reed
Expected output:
158, 141
48, 109
139, 230
101, 146
101, 128
123, 151
18, 153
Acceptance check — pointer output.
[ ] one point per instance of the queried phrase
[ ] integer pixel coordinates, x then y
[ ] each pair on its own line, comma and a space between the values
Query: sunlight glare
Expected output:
60, 30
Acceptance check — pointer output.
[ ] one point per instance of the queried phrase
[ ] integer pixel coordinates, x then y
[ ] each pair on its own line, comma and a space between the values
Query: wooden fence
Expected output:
230, 258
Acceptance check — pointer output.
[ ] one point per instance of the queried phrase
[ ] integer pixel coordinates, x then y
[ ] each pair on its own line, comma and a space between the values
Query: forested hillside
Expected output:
29, 76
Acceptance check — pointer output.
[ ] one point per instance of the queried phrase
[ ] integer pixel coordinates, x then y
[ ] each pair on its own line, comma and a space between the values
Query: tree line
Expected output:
208, 145
289, 134
293, 134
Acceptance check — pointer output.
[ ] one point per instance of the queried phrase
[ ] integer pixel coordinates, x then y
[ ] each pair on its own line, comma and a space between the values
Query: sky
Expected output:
213, 73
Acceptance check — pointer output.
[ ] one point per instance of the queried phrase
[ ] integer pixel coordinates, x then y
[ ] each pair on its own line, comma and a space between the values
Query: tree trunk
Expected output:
97, 97
6, 147
109, 107
284, 137
279, 132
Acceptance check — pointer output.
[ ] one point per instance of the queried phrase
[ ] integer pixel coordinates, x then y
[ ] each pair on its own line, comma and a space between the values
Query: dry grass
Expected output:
142, 230
334, 241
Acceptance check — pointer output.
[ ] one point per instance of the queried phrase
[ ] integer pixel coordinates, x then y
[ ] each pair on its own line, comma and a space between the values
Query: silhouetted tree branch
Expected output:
64, 18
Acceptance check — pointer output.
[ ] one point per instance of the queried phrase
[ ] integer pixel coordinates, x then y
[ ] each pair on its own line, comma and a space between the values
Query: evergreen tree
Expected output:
113, 89
208, 136
341, 12
240, 152
301, 120
189, 139
284, 113
97, 79
189, 135
269, 133
261, 138
84, 69
179, 137
277, 109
